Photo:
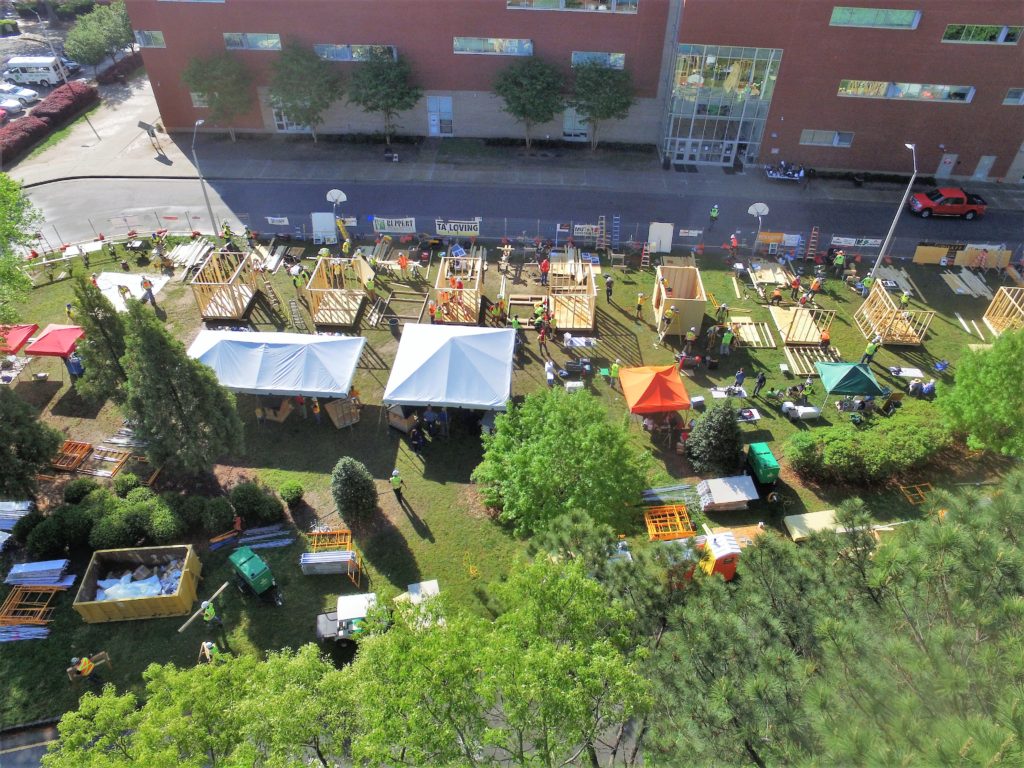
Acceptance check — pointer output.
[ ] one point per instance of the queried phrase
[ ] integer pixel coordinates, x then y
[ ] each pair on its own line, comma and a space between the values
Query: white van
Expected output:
44, 70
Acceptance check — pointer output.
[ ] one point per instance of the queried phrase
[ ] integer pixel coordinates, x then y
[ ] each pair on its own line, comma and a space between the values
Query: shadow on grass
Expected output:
73, 405
38, 394
384, 547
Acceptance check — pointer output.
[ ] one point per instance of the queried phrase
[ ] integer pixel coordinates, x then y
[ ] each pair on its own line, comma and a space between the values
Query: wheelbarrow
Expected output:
253, 576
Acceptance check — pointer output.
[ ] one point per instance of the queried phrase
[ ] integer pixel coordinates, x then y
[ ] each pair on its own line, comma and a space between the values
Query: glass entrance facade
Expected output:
720, 100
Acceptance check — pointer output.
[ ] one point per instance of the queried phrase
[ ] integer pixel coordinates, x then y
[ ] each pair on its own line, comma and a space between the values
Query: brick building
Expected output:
718, 82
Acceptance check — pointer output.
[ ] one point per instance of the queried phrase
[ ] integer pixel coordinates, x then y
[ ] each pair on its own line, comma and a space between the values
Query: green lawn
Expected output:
449, 535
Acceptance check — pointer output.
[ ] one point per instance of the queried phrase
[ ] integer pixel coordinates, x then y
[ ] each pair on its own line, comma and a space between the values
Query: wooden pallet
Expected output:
916, 494
28, 605
104, 462
751, 334
802, 359
325, 541
668, 522
71, 456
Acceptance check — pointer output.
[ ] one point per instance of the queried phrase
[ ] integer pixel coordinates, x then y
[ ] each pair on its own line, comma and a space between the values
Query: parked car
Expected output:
71, 66
12, 106
25, 95
947, 201
3, 117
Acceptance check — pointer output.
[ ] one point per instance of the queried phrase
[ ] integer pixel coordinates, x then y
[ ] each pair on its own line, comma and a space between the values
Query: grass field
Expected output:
448, 535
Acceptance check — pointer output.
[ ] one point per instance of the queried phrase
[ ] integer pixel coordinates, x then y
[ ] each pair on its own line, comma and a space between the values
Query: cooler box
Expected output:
762, 463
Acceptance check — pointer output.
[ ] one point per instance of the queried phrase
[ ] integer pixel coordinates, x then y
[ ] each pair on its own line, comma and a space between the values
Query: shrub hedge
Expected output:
291, 493
18, 137
76, 491
120, 70
256, 504
66, 102
125, 483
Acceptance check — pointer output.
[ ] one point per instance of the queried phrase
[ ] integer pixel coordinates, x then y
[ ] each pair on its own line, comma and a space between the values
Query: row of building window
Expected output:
890, 18
592, 6
878, 89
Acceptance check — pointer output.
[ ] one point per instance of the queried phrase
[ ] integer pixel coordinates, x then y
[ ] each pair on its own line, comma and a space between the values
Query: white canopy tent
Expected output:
452, 366
280, 363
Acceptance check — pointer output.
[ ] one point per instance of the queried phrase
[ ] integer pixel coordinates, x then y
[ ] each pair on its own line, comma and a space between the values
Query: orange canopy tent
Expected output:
653, 389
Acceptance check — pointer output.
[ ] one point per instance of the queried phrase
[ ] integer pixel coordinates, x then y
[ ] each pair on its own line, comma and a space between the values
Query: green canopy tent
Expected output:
848, 379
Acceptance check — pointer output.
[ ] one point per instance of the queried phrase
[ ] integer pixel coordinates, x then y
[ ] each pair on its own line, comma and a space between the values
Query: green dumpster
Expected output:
762, 463
253, 573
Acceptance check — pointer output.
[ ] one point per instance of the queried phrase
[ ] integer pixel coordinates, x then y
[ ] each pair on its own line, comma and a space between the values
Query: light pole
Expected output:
892, 229
202, 181
63, 72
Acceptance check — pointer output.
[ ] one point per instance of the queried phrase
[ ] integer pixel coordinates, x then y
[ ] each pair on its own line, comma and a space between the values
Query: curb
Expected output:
26, 726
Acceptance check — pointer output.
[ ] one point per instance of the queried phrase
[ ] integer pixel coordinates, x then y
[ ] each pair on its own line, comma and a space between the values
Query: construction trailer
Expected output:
336, 290
880, 315
225, 286
682, 288
1006, 312
460, 306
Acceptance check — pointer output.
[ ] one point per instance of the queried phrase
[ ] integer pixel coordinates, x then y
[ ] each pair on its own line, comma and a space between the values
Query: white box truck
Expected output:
32, 70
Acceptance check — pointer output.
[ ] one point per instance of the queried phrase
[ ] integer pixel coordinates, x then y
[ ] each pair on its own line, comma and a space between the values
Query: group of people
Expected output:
798, 291
432, 423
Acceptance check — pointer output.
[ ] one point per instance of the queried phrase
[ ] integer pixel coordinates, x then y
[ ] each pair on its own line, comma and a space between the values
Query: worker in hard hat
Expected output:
84, 669
669, 316
210, 614
691, 339
210, 653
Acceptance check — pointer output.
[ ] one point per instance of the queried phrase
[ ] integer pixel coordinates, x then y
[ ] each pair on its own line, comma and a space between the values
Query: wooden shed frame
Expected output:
1006, 312
682, 288
460, 306
879, 315
668, 522
572, 291
225, 286
335, 291
801, 325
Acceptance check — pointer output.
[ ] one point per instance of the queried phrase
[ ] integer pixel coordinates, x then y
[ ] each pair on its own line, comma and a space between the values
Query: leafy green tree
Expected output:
384, 84
19, 225
186, 418
86, 42
601, 93
118, 28
226, 84
304, 86
556, 453
102, 347
26, 446
353, 489
716, 442
987, 400
532, 92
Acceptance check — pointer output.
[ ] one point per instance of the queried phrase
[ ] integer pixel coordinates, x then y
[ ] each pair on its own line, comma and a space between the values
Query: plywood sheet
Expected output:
795, 326
230, 302
338, 308
930, 254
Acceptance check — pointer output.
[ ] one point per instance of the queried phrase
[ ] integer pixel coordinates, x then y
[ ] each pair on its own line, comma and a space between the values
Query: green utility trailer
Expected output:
253, 576
762, 463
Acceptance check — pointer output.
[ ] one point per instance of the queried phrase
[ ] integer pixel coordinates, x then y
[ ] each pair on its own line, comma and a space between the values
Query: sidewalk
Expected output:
125, 151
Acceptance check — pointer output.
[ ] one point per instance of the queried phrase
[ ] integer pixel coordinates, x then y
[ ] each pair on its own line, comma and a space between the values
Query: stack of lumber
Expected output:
190, 255
268, 537
16, 632
669, 494
44, 573
11, 512
320, 563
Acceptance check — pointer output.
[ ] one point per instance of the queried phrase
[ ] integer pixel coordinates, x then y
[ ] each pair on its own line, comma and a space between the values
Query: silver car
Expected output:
12, 106
24, 95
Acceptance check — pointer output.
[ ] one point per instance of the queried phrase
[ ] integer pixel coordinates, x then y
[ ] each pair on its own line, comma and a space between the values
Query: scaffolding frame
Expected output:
225, 286
460, 306
28, 605
71, 455
1006, 312
668, 522
879, 315
327, 541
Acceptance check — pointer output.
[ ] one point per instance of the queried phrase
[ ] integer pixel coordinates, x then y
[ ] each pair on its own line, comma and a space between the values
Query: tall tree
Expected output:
186, 418
118, 28
601, 93
716, 442
987, 400
86, 42
19, 225
304, 86
26, 446
532, 91
102, 347
556, 453
384, 84
226, 84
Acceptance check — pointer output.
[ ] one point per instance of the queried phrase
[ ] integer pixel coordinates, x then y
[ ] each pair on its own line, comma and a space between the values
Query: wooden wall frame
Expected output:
880, 315
225, 286
1006, 312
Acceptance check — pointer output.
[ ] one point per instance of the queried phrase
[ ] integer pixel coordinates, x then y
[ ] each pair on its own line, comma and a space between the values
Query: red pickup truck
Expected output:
947, 201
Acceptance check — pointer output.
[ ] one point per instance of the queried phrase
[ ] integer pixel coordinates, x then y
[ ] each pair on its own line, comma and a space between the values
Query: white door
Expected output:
946, 166
1015, 173
984, 167
439, 116
574, 126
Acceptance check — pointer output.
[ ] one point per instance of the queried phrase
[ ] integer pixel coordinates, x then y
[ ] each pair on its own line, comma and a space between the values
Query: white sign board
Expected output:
457, 228
585, 231
400, 225
859, 242
691, 232
278, 221
323, 228
659, 235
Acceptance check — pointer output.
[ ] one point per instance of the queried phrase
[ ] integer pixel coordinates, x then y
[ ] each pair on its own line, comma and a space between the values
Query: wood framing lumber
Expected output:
196, 615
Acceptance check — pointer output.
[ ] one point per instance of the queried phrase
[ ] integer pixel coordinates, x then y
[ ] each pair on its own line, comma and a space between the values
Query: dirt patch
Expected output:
471, 500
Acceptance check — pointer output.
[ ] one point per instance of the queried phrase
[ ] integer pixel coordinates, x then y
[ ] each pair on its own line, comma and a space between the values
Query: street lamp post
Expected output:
63, 72
895, 219
202, 181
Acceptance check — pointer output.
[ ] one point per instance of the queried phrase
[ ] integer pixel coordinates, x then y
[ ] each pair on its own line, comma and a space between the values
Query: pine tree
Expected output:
102, 347
176, 404
26, 446
716, 443
354, 491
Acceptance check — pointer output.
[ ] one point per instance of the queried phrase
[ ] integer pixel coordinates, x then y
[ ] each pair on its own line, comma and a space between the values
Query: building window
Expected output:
826, 138
251, 41
592, 6
878, 18
284, 125
148, 38
981, 33
353, 52
877, 89
493, 46
1014, 97
198, 100
610, 60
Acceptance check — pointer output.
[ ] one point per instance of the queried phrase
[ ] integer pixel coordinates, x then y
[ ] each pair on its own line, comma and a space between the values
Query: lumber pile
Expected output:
267, 537
11, 512
322, 563
43, 573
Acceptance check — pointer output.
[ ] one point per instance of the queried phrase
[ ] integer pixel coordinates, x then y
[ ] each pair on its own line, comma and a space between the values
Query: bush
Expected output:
19, 136
76, 491
110, 533
120, 70
353, 488
125, 483
66, 102
26, 525
217, 515
100, 503
46, 540
255, 504
190, 510
63, 9
165, 526
292, 492
136, 495
76, 525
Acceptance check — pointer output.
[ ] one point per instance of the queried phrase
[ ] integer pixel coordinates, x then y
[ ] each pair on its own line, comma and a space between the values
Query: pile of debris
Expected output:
144, 581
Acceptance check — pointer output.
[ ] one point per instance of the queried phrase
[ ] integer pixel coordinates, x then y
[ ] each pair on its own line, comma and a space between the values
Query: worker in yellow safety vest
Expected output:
691, 339
84, 669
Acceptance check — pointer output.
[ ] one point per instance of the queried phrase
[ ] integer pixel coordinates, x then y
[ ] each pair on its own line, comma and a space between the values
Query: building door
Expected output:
440, 120
946, 166
284, 125
1015, 173
574, 126
984, 167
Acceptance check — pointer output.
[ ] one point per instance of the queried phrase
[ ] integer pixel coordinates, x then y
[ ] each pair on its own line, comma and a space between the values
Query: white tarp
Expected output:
452, 366
108, 283
280, 363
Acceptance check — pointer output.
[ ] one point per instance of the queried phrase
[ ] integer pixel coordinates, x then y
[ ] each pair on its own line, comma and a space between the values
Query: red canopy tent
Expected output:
56, 341
653, 389
14, 337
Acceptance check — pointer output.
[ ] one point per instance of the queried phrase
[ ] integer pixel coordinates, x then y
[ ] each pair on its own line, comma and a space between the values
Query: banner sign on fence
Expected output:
585, 231
791, 241
278, 221
457, 228
401, 226
349, 221
562, 229
857, 242
691, 232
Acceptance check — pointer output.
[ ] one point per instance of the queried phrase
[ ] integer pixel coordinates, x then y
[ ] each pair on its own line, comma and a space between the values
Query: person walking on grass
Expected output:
794, 289
727, 338
759, 383
869, 351
396, 485
613, 374
640, 299
608, 282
